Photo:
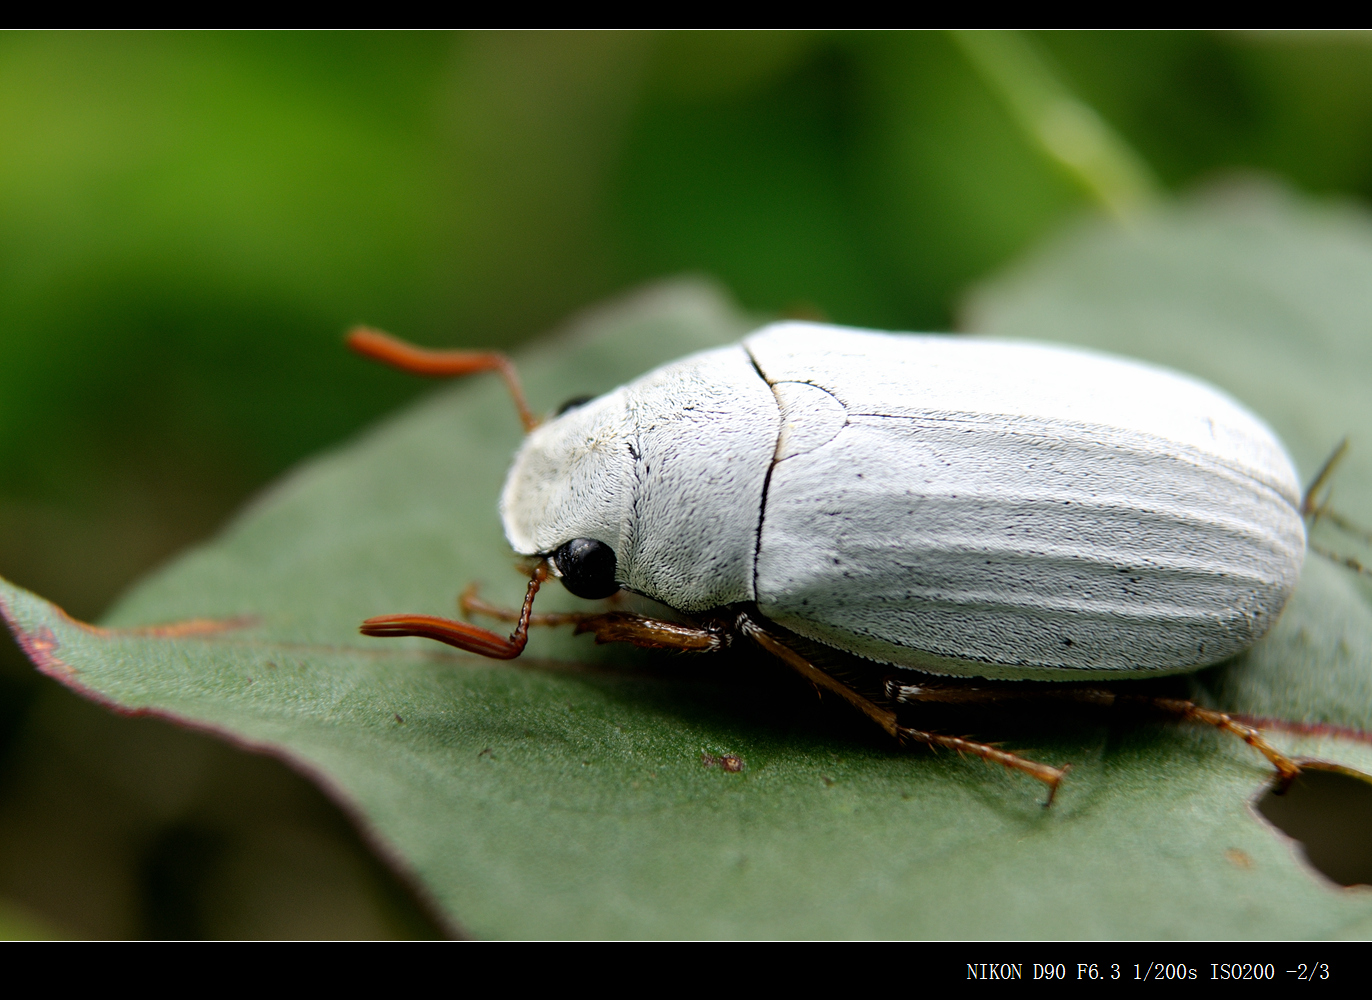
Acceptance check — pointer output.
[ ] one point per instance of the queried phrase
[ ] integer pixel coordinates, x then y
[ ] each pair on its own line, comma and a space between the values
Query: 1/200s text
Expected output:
1147, 971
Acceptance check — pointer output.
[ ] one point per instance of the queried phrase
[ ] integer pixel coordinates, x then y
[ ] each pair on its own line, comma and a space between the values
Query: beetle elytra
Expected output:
942, 508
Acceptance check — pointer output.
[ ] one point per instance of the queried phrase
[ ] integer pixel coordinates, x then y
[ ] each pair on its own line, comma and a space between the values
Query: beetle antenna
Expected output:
463, 635
408, 357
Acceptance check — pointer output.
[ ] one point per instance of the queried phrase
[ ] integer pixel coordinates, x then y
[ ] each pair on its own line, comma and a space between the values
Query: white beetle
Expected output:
956, 506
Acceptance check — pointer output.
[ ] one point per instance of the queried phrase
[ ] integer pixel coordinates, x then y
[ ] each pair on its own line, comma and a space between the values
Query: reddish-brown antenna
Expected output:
464, 635
440, 364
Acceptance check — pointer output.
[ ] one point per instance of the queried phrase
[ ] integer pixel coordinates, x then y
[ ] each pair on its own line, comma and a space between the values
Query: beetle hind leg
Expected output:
1287, 769
1092, 697
1347, 562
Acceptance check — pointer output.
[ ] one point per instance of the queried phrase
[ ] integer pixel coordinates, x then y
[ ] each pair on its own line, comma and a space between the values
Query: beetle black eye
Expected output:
587, 568
572, 404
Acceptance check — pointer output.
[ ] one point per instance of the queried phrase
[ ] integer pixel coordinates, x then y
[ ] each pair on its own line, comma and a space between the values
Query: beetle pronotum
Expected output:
944, 508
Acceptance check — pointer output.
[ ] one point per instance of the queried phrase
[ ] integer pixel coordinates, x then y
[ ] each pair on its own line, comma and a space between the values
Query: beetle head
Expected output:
666, 473
572, 482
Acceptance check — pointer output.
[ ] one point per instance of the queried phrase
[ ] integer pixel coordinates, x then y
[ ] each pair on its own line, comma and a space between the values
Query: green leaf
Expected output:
565, 794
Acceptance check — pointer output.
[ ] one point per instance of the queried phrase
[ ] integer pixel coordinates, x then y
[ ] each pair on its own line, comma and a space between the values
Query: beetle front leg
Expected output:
651, 633
470, 604
611, 626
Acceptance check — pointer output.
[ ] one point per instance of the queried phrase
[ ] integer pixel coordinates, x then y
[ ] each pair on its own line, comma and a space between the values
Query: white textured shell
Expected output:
952, 504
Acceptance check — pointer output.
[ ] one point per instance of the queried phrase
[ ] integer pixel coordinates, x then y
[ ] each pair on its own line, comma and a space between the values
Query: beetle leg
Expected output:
886, 718
1348, 562
470, 604
1315, 509
1343, 524
1287, 769
958, 694
441, 364
650, 633
883, 717
612, 626
1310, 504
1049, 775
462, 634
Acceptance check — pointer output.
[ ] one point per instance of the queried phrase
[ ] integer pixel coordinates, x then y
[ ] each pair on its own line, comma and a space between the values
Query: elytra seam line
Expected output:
767, 481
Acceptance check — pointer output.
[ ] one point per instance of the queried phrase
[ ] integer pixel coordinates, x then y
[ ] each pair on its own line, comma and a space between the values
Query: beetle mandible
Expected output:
940, 507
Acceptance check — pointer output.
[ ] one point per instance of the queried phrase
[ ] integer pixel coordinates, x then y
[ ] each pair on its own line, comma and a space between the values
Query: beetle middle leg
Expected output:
886, 717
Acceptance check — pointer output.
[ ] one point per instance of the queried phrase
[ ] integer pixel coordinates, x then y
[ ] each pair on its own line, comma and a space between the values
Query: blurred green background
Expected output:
188, 223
